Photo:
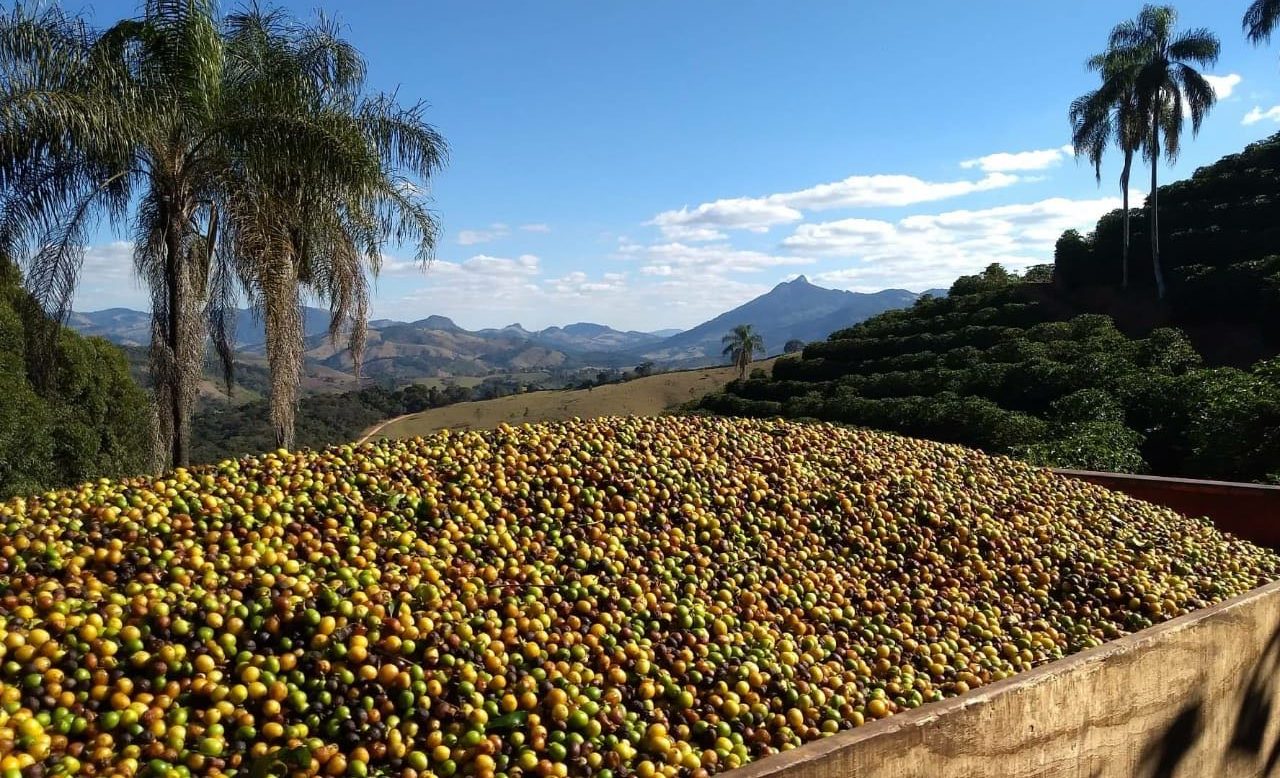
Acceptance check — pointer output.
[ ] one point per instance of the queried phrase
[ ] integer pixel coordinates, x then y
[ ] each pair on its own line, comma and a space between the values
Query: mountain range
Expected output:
127, 327
437, 347
793, 310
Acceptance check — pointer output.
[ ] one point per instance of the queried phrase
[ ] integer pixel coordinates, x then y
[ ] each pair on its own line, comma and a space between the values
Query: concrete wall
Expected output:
1192, 697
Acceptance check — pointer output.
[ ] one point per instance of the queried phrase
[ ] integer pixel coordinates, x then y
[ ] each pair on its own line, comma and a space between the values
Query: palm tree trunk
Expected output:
283, 322
162, 405
1124, 186
176, 281
1155, 207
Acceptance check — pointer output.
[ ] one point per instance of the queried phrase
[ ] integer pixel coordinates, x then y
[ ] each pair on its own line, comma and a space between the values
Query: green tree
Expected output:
86, 419
1161, 62
240, 154
1261, 20
741, 345
793, 346
1110, 115
993, 277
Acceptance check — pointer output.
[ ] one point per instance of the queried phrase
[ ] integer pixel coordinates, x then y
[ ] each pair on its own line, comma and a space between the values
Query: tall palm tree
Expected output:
219, 134
321, 225
1262, 19
1161, 62
741, 345
1105, 116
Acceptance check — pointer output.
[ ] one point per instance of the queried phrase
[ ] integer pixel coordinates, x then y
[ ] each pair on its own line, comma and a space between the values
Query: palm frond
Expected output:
1171, 121
1091, 129
1261, 20
1126, 34
1199, 46
403, 137
1200, 96
220, 302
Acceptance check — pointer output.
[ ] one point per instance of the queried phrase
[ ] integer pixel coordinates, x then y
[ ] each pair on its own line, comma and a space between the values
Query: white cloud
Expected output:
479, 265
1223, 86
496, 231
881, 191
579, 284
757, 214
692, 233
703, 262
703, 223
523, 265
1257, 115
113, 262
480, 283
107, 279
491, 233
490, 291
933, 249
1008, 162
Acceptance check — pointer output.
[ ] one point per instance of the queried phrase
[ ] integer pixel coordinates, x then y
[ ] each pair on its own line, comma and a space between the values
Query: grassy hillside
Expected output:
640, 397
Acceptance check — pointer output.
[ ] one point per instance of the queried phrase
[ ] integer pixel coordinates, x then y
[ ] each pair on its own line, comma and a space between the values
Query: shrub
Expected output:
1096, 445
1086, 405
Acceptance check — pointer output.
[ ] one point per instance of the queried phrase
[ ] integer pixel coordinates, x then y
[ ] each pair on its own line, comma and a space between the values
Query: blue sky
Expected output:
650, 164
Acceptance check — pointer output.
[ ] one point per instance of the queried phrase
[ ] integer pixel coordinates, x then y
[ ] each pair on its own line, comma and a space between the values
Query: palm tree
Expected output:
1262, 19
321, 226
1161, 63
1109, 115
741, 345
236, 143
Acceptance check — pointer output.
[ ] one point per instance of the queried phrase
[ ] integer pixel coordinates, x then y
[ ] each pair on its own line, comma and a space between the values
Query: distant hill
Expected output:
250, 330
793, 310
122, 326
127, 327
584, 336
436, 347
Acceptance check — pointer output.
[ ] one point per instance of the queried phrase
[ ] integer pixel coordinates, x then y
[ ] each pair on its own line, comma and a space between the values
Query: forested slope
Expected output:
73, 417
